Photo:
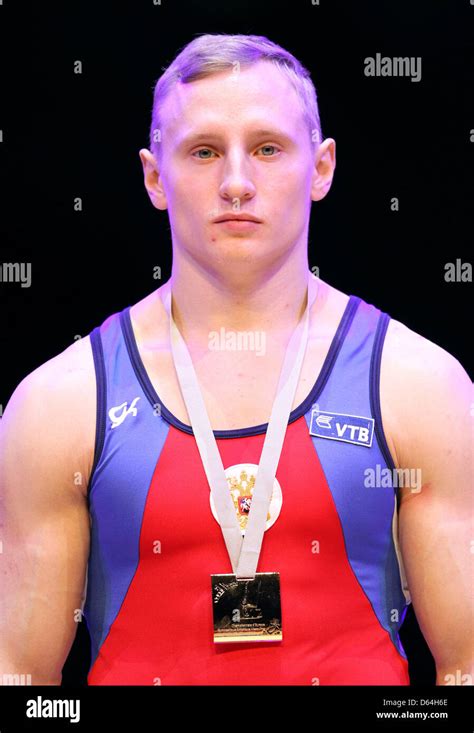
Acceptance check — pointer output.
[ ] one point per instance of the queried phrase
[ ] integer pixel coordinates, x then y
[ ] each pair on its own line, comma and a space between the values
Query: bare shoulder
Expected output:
413, 356
149, 320
328, 309
55, 404
423, 388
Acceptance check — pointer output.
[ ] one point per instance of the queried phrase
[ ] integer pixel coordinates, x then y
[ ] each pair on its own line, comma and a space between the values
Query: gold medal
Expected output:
246, 609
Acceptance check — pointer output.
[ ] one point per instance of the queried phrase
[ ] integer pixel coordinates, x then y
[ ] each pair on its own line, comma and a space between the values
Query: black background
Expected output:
67, 135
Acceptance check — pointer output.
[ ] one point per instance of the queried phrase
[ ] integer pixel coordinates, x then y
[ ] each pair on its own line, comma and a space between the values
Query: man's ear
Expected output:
152, 179
324, 165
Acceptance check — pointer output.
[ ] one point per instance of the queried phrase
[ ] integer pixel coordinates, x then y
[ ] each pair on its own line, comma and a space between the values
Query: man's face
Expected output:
253, 156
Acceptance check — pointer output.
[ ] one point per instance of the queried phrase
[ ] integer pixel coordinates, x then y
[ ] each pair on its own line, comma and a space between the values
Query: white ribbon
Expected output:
243, 552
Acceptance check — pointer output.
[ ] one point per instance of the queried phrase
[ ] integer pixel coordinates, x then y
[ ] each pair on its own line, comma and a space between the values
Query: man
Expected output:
100, 467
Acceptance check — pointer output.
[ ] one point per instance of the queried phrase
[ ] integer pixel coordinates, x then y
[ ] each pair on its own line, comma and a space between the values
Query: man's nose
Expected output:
237, 181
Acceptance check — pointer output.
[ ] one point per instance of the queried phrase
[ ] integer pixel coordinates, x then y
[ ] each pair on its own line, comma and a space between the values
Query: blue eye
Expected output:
203, 150
268, 146
208, 157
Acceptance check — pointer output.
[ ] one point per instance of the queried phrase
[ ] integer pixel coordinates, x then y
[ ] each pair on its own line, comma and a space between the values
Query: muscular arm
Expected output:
44, 520
434, 434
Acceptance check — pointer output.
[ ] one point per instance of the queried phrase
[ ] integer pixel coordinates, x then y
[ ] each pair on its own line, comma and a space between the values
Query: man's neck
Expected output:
272, 304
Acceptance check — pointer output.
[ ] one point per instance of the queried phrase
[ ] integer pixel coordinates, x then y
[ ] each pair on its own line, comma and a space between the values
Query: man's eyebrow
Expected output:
206, 136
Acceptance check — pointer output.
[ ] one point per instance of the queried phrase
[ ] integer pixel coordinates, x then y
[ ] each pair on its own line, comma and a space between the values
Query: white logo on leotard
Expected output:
118, 419
324, 421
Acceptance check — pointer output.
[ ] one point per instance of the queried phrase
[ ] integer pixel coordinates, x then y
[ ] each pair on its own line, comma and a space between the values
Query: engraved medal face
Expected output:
246, 610
241, 481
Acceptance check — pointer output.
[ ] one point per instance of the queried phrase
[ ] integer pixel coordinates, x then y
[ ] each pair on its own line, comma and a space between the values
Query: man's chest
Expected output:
238, 390
239, 386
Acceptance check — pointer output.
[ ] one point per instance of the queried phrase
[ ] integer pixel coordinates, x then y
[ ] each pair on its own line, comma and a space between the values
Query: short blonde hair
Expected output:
210, 53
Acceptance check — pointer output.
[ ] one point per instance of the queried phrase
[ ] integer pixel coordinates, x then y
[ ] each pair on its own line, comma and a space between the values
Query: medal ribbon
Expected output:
243, 552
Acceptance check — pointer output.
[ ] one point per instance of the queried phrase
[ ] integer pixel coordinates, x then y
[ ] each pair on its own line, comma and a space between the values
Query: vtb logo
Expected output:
354, 429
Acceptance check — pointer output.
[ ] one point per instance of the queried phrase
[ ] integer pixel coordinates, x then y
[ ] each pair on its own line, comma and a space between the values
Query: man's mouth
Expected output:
238, 225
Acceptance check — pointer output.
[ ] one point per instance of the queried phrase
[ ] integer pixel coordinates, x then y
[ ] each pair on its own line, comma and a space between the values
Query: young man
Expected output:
118, 484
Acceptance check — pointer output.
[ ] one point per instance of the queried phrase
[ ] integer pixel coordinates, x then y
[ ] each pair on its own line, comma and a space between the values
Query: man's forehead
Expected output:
259, 91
